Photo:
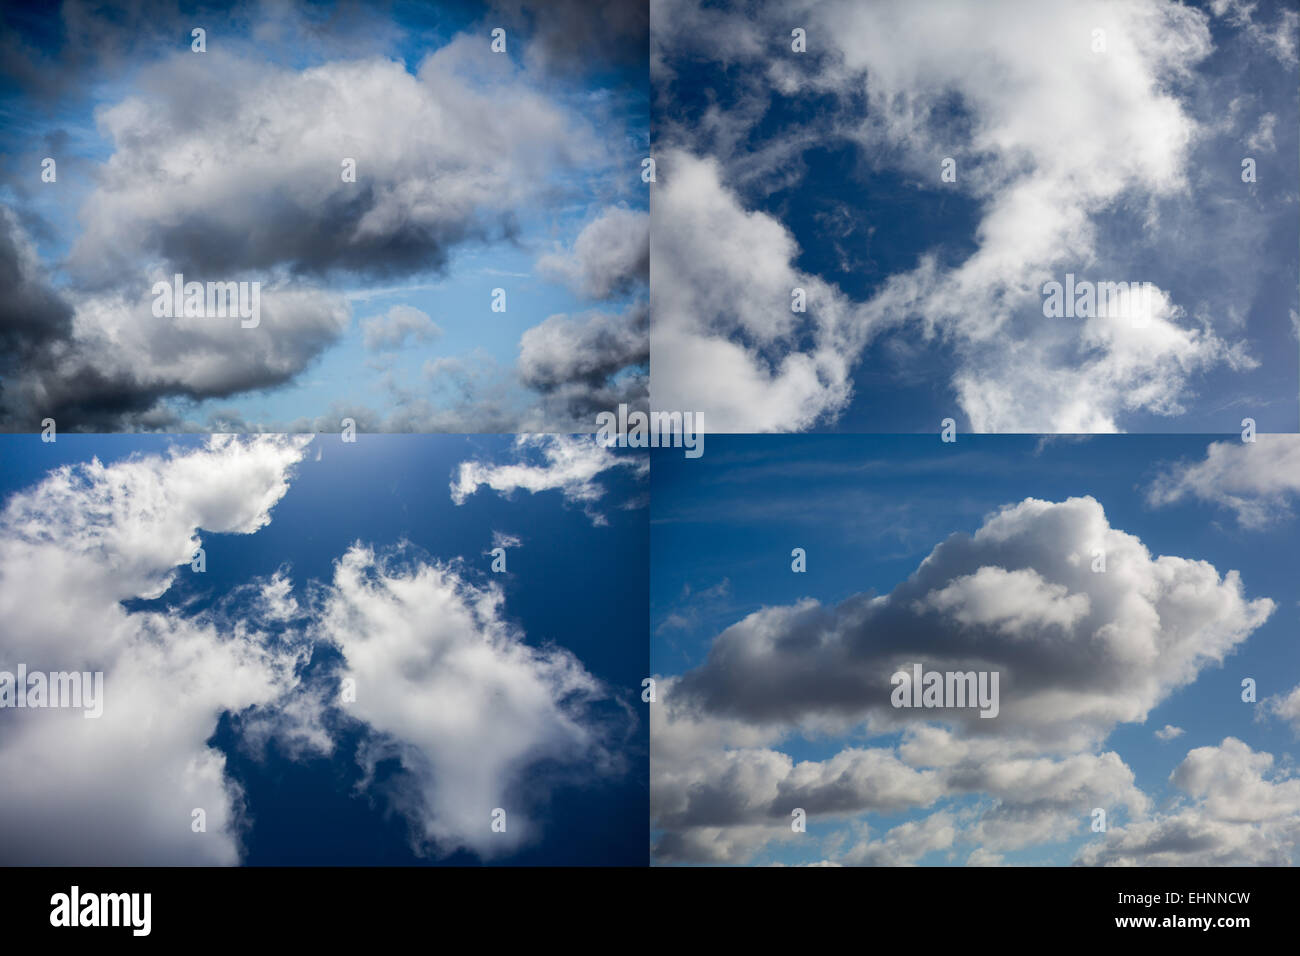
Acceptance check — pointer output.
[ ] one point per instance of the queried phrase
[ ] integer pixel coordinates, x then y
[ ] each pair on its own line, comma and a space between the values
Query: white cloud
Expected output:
1257, 480
463, 137
1238, 812
456, 694
1286, 707
1049, 136
610, 255
120, 789
724, 337
569, 464
1078, 652
501, 539
1169, 732
477, 716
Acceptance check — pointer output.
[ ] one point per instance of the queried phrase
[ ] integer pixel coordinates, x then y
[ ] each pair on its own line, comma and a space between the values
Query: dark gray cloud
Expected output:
569, 35
574, 361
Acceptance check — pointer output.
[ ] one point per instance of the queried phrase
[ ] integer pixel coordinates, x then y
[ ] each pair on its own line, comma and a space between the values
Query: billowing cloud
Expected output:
477, 716
449, 688
1003, 90
253, 177
611, 255
244, 164
725, 340
1078, 650
1079, 647
1237, 811
587, 364
121, 788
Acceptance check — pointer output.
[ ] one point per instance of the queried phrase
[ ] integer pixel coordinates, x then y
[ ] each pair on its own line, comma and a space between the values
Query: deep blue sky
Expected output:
857, 220
570, 583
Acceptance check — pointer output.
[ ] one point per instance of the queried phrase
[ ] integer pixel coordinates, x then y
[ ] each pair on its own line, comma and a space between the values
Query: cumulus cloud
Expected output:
1236, 811
1258, 481
589, 363
725, 340
1077, 651
569, 464
584, 364
984, 86
443, 162
1169, 732
229, 167
477, 717
120, 789
451, 690
610, 256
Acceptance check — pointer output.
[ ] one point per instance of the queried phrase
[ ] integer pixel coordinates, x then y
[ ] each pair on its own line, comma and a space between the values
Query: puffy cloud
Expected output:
470, 709
569, 464
1257, 480
1169, 732
229, 169
910, 84
401, 322
1238, 813
719, 795
1077, 651
120, 789
445, 161
610, 256
587, 364
596, 361
906, 843
725, 340
477, 717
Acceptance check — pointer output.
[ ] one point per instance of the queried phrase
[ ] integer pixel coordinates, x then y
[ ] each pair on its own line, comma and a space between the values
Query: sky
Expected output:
326, 562
827, 230
476, 171
1095, 139
1120, 689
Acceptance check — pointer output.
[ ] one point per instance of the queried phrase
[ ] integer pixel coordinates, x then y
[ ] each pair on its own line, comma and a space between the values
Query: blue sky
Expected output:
462, 198
571, 583
841, 148
869, 509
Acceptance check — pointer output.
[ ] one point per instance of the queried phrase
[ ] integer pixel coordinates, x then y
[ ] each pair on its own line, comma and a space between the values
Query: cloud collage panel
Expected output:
610, 433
